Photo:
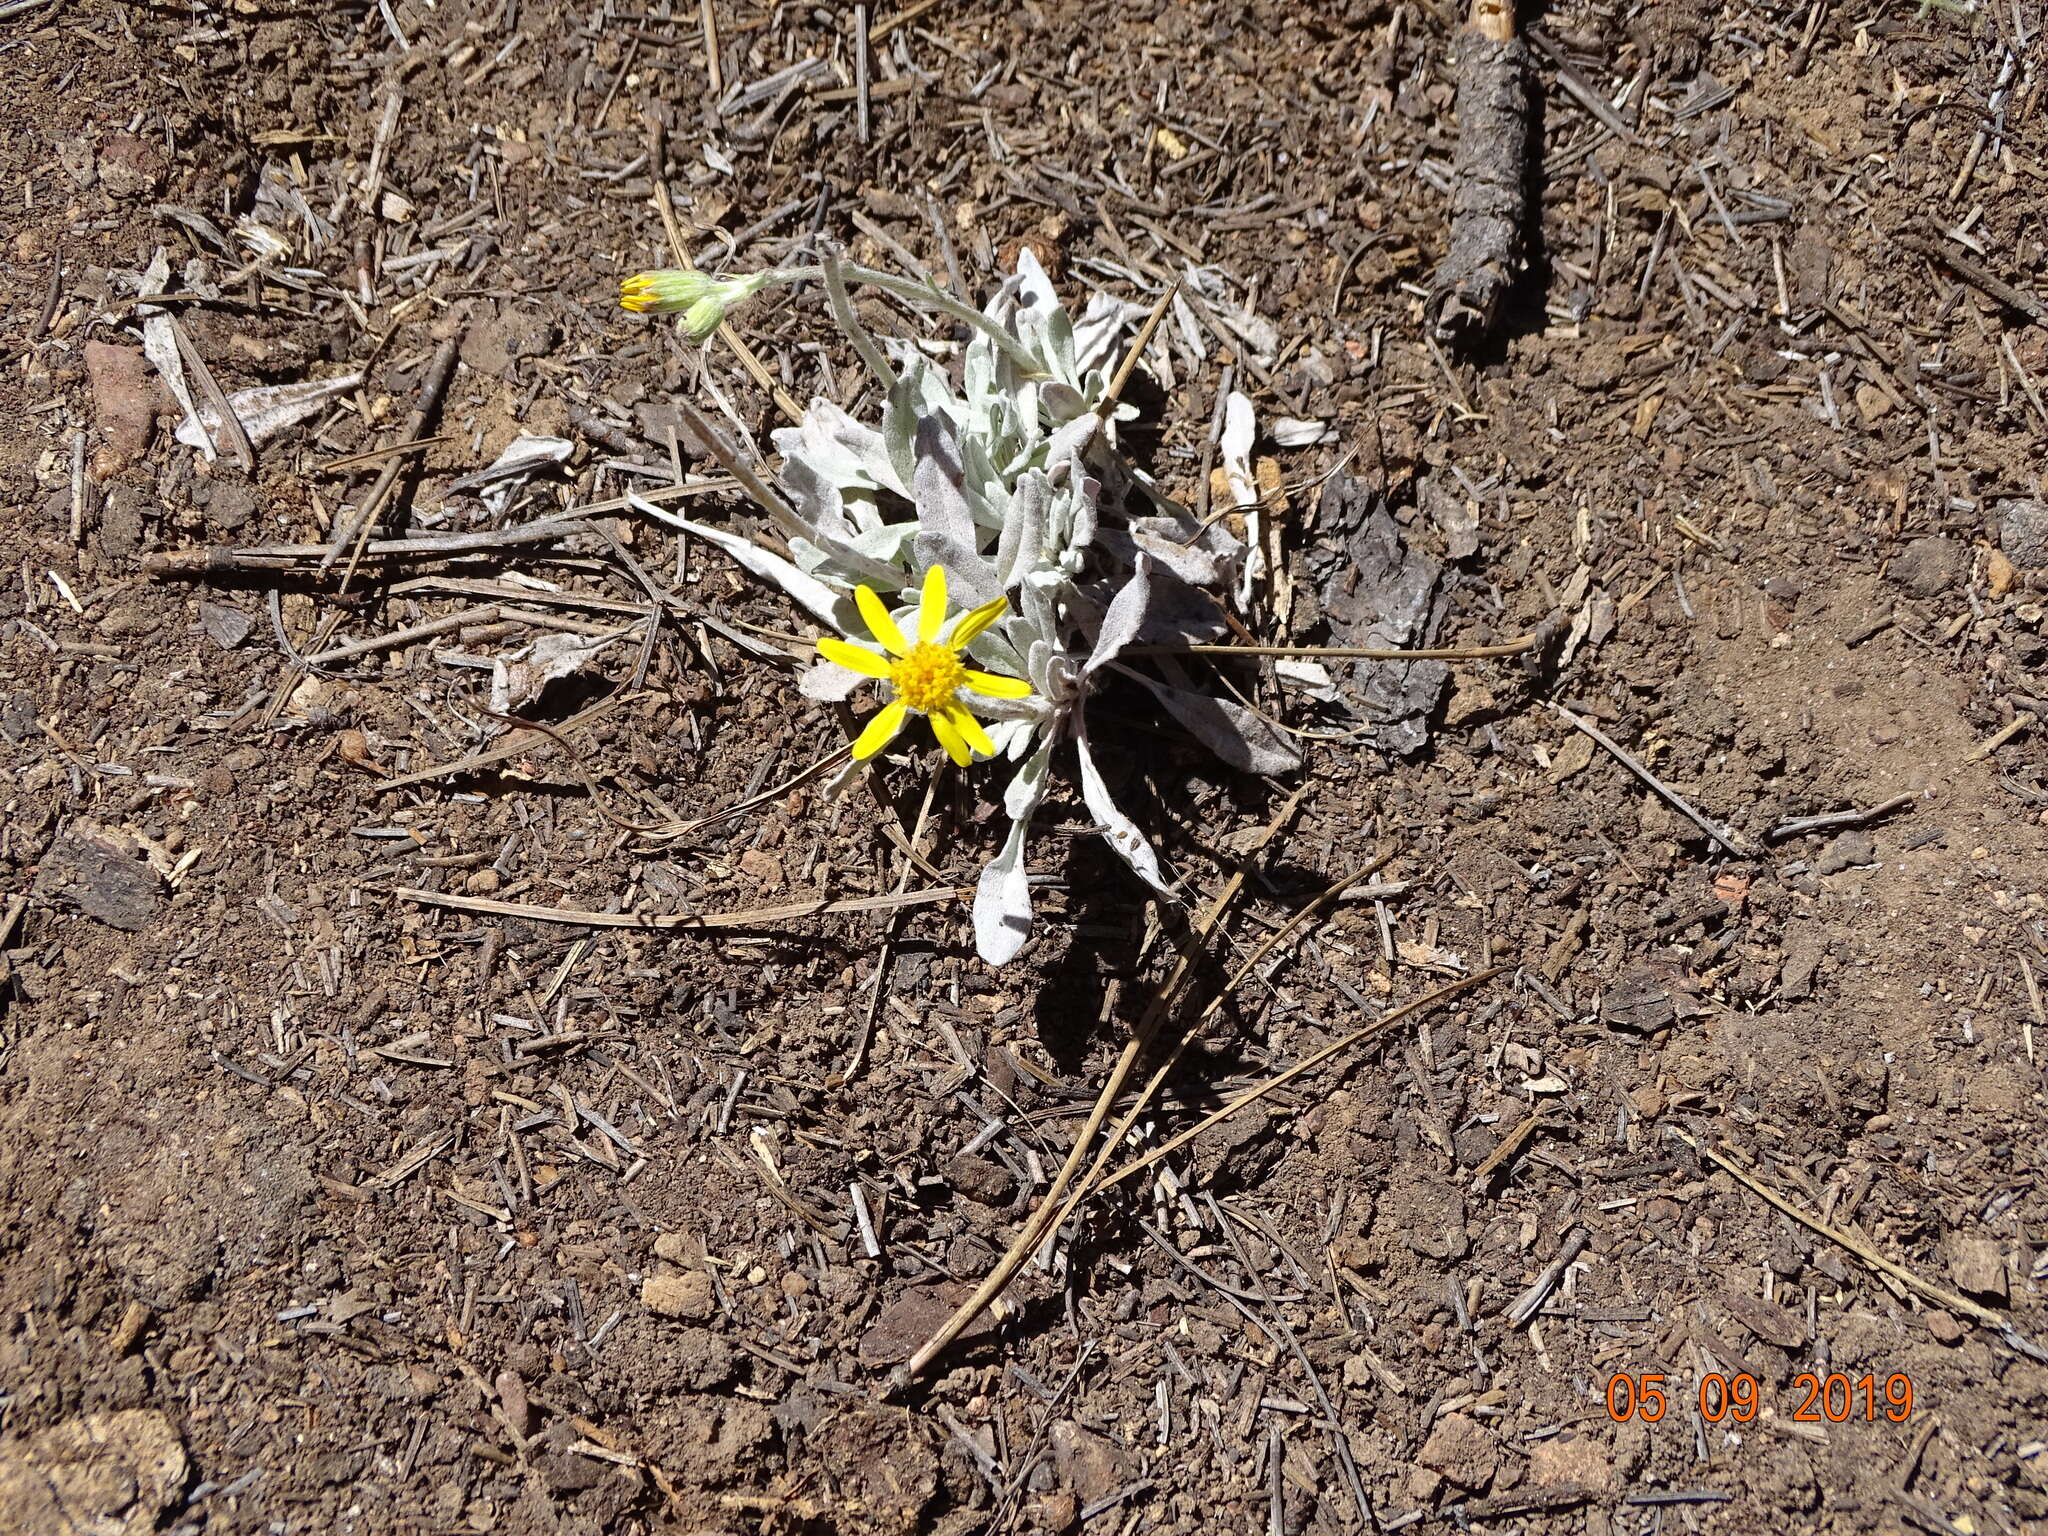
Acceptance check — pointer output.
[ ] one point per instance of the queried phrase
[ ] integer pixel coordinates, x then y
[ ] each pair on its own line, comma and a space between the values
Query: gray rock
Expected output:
1639, 1002
229, 507
2023, 531
226, 627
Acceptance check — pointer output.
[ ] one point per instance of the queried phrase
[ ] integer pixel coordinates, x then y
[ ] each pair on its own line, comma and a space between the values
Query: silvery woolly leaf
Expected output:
160, 346
828, 682
1068, 447
1012, 738
1063, 402
1010, 712
930, 392
1059, 348
850, 562
1192, 336
815, 496
947, 534
1124, 617
1235, 450
1229, 730
1003, 302
1002, 896
851, 774
1025, 397
1056, 676
1118, 830
838, 449
997, 650
1038, 659
937, 484
1038, 626
899, 433
1213, 284
1087, 499
824, 603
1023, 535
1299, 432
888, 543
1179, 613
1101, 323
1193, 561
1036, 298
526, 453
988, 499
978, 371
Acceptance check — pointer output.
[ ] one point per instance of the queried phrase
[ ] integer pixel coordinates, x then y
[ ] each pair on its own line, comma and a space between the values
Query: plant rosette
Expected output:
1004, 496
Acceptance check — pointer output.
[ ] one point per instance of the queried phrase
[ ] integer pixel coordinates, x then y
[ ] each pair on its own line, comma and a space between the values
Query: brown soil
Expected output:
332, 1211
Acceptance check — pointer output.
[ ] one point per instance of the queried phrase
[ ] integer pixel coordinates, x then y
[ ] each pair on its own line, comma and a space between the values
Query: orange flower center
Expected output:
928, 677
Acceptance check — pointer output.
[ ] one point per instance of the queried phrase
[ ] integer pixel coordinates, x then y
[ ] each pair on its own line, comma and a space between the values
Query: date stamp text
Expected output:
1834, 1398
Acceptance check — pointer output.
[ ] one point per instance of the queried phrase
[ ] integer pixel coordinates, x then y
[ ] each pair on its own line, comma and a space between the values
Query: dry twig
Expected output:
1940, 1295
681, 922
1678, 802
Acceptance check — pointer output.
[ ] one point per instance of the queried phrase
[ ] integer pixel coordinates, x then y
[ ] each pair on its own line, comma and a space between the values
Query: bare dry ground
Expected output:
337, 1210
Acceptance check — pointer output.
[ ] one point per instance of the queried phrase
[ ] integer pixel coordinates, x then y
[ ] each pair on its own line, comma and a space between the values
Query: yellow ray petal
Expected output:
880, 731
970, 730
974, 623
950, 738
855, 658
931, 612
995, 685
880, 625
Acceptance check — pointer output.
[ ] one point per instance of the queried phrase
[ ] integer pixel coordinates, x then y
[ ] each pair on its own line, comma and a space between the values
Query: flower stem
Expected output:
849, 322
913, 292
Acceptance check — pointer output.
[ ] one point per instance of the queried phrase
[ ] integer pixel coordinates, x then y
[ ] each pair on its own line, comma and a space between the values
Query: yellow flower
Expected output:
702, 298
926, 677
664, 292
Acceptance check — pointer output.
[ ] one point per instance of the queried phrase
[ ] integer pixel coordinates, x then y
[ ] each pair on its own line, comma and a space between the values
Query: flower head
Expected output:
926, 677
702, 298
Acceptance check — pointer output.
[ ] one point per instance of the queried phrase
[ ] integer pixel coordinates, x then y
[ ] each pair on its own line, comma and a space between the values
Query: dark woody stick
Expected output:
1490, 198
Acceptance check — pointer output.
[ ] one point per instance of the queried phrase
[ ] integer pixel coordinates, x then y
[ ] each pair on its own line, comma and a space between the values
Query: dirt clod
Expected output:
1977, 1265
106, 1474
1928, 567
124, 403
1571, 1459
1849, 850
981, 1180
1088, 1463
1462, 1451
688, 1295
